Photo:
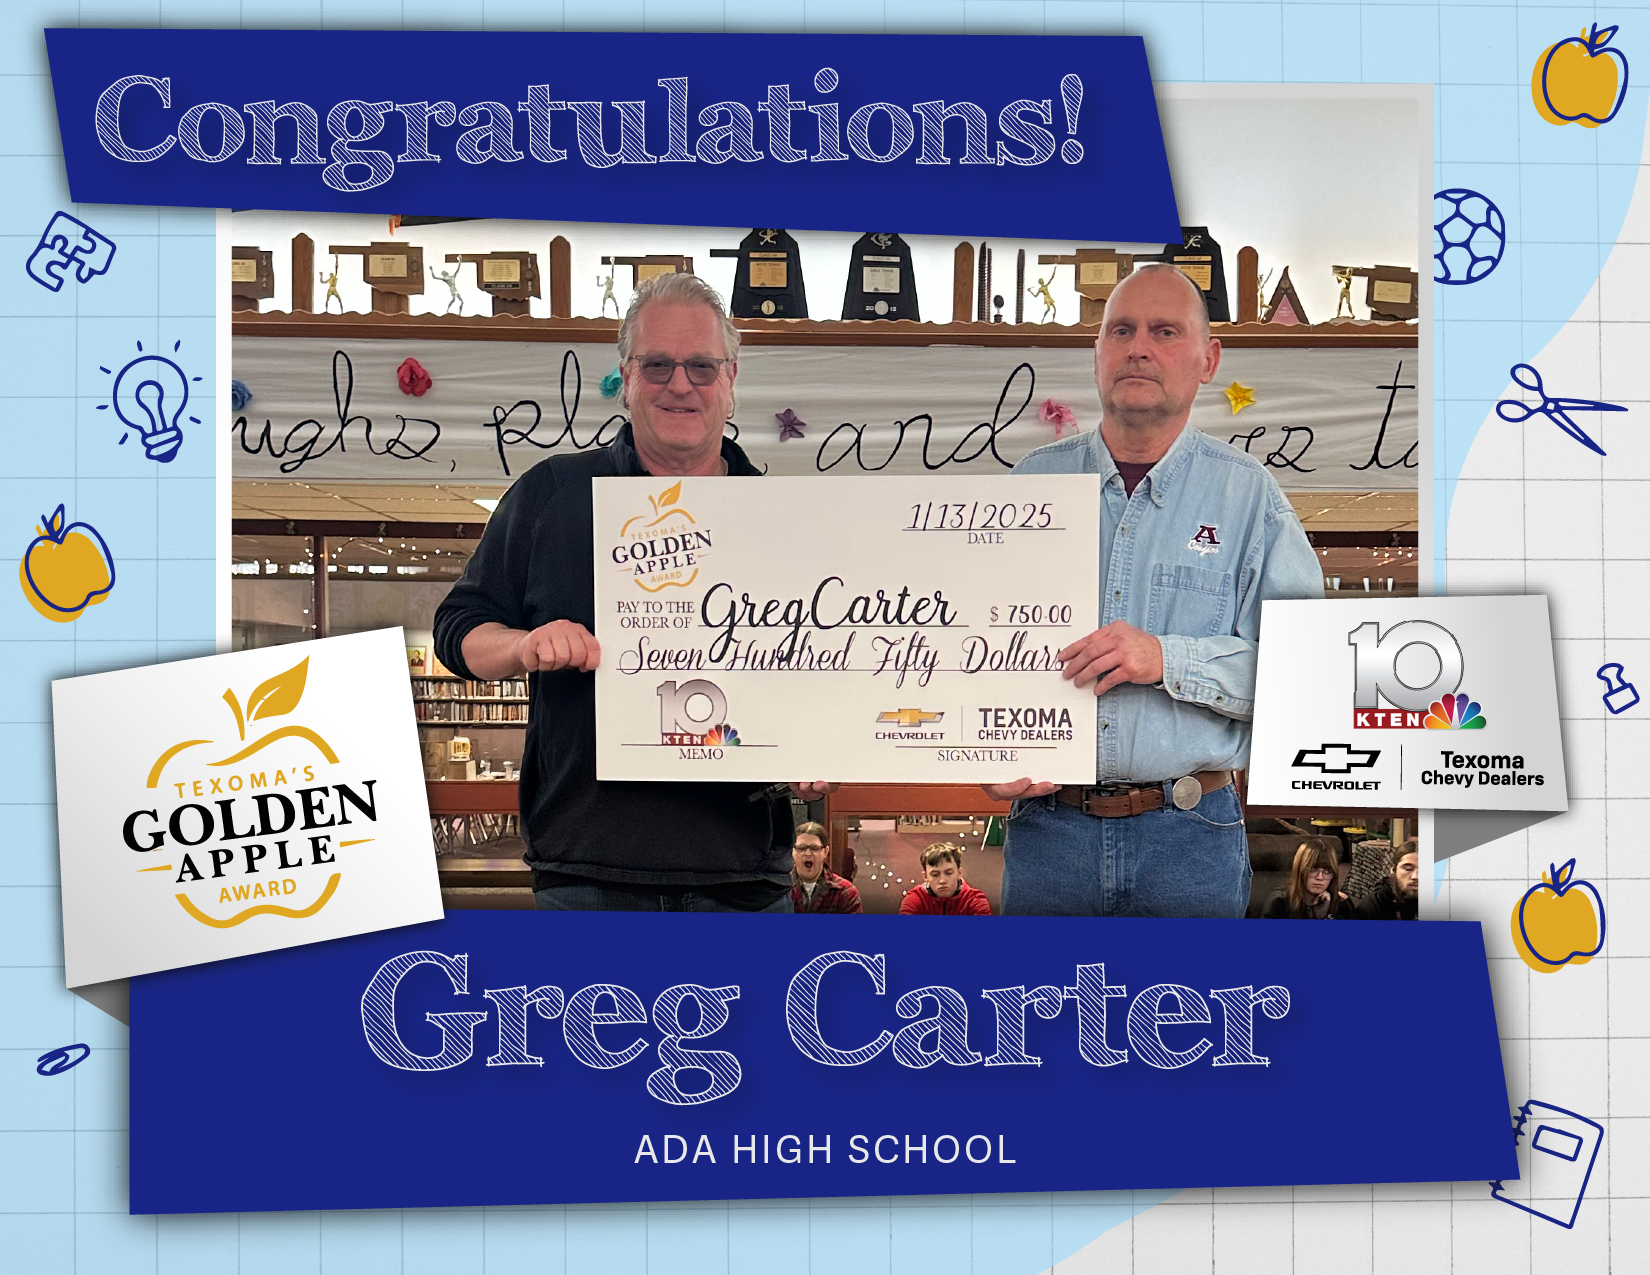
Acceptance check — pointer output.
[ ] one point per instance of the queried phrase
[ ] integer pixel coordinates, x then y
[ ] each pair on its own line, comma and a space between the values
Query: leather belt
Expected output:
1135, 800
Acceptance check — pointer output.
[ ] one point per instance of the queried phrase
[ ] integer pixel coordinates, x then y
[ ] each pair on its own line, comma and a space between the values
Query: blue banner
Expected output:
1023, 136
524, 1058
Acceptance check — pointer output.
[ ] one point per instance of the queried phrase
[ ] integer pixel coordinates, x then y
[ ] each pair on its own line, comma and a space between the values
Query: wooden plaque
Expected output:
251, 275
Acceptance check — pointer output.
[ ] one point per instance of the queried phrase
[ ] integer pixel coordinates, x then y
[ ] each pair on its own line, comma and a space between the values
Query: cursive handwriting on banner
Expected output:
310, 440
994, 427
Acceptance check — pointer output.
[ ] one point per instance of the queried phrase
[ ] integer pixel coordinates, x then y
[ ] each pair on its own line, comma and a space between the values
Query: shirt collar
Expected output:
1162, 476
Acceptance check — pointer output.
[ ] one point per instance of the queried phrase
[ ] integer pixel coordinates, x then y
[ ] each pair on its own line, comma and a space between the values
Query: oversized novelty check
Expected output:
886, 629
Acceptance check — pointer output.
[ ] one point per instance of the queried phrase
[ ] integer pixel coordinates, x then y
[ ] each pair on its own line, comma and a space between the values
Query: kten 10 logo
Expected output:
1381, 699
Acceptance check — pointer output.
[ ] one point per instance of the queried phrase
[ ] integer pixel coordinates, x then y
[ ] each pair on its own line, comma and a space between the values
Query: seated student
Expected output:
1311, 894
814, 887
1396, 897
944, 892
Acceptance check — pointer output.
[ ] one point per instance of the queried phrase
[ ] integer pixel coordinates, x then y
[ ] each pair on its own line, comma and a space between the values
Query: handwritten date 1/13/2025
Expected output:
983, 516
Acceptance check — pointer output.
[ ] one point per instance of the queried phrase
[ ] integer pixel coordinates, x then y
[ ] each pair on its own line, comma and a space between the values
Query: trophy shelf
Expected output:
1346, 335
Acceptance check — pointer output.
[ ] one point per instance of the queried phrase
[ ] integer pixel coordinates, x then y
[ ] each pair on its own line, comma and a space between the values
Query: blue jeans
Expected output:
1059, 861
599, 896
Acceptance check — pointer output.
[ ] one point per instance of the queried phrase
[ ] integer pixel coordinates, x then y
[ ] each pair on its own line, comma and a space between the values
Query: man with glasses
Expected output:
814, 887
526, 605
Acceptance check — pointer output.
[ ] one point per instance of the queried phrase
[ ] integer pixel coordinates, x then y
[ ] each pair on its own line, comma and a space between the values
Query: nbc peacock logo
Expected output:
663, 548
244, 828
1454, 712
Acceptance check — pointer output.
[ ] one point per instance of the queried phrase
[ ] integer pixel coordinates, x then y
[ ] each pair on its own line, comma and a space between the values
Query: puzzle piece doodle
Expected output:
69, 241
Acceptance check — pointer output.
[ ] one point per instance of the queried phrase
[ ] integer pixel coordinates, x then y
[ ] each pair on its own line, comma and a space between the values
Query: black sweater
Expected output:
535, 564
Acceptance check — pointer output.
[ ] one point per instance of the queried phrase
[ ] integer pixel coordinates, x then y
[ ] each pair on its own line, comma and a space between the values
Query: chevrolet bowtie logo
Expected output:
1337, 759
908, 717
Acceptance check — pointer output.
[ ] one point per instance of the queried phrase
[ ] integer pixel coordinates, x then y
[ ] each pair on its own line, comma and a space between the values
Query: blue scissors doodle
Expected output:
1556, 410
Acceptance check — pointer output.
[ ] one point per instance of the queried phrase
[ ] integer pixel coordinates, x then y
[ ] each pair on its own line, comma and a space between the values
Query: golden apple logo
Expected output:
274, 698
1578, 81
1559, 921
249, 795
662, 549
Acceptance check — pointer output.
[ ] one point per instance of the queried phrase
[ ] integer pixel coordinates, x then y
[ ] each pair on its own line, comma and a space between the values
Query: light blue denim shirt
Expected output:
1206, 537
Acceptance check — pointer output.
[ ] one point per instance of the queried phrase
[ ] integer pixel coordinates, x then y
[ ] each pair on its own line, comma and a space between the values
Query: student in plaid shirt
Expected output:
814, 887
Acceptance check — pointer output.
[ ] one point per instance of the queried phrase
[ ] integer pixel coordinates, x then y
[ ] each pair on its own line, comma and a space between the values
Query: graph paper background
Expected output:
1526, 509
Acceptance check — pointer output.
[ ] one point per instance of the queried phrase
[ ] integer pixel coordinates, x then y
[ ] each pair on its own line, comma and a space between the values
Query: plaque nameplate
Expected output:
1200, 270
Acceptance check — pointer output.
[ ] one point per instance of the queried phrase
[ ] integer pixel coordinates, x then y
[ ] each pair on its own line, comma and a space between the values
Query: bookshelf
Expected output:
441, 698
458, 701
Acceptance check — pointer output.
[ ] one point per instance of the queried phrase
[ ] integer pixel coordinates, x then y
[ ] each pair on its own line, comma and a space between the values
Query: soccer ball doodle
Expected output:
1471, 236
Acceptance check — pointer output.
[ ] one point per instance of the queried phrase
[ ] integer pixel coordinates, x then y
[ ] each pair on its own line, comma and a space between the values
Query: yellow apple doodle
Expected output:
1577, 80
1559, 921
66, 568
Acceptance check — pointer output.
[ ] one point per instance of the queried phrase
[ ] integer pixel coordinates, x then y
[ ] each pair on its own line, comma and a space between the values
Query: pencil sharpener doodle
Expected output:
1556, 1151
1471, 236
61, 1060
1619, 694
68, 241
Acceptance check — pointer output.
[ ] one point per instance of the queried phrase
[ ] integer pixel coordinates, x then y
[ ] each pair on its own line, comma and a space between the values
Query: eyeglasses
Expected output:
658, 371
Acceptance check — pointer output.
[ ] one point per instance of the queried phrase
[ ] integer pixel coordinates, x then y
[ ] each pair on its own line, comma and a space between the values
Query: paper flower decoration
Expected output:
239, 395
1058, 415
611, 384
413, 378
789, 425
1239, 396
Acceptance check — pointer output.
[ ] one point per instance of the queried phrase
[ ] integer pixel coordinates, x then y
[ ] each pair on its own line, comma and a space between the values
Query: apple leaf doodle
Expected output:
235, 707
273, 698
280, 694
666, 498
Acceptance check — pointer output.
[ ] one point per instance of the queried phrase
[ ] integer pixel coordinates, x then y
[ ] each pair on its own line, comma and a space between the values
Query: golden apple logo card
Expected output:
239, 803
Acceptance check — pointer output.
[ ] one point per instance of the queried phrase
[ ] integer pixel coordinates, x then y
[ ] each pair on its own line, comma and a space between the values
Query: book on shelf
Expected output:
464, 711
509, 688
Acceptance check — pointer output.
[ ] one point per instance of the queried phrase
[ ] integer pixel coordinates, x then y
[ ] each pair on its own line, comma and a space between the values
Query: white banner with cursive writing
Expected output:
1321, 420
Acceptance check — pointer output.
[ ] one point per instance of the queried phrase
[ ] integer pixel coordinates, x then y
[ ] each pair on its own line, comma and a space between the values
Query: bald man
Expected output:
1194, 534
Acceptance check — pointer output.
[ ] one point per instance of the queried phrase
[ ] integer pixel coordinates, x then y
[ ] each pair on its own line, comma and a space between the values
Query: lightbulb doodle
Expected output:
66, 568
150, 396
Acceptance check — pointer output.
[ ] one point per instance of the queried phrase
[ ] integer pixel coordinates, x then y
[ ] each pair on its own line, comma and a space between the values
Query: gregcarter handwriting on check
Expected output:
738, 619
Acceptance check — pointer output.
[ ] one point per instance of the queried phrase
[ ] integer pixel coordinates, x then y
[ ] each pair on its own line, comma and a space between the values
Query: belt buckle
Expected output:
1188, 792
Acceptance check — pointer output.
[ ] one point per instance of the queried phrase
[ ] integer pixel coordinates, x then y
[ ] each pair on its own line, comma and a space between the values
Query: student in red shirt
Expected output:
944, 892
814, 887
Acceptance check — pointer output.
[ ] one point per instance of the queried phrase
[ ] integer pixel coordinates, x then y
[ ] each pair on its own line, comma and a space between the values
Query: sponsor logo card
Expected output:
1442, 703
239, 803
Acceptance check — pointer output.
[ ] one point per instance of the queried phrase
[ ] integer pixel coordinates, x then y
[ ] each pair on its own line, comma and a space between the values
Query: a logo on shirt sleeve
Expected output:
1207, 539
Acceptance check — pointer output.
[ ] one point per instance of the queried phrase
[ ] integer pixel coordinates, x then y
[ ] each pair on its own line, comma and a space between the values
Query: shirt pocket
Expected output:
1190, 601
